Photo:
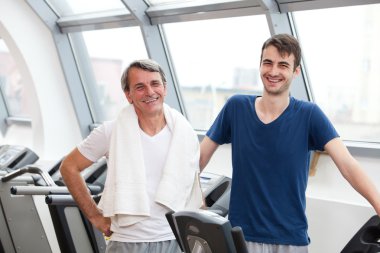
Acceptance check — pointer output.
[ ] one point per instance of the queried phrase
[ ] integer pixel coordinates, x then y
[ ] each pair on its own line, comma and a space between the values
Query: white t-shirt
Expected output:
155, 150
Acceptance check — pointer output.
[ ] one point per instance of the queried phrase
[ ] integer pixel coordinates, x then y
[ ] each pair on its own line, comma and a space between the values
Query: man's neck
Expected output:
269, 108
152, 125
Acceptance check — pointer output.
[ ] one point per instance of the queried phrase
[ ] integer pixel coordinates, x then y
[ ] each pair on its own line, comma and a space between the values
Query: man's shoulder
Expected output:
302, 104
241, 99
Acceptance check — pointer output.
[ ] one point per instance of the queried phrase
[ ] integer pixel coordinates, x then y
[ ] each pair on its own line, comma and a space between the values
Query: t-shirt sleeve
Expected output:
220, 130
321, 129
96, 144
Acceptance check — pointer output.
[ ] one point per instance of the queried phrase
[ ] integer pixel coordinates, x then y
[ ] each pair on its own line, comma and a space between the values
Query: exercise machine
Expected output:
76, 233
73, 231
208, 231
216, 189
367, 239
23, 187
205, 231
13, 157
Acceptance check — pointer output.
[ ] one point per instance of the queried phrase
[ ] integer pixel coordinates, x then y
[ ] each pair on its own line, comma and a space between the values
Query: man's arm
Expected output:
208, 148
70, 169
353, 173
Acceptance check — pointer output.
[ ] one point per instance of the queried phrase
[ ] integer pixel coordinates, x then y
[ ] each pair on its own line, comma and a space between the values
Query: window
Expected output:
11, 85
342, 55
109, 52
73, 7
215, 59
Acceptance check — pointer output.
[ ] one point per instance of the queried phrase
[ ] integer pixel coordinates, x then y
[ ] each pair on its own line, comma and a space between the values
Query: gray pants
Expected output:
254, 247
143, 247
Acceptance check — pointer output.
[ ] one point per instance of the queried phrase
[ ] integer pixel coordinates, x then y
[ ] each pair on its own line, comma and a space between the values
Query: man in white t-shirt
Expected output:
153, 167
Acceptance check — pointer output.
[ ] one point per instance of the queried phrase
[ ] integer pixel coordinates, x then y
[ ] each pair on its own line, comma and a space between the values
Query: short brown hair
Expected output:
285, 44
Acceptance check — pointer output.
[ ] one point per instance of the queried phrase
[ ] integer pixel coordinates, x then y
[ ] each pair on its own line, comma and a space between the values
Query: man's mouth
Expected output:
274, 80
149, 100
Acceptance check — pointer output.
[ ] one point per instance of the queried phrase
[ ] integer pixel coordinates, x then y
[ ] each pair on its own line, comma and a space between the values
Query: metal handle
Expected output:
38, 190
239, 241
29, 169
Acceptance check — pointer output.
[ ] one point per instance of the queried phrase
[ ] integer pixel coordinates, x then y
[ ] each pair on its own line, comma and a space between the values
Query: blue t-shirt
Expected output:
270, 166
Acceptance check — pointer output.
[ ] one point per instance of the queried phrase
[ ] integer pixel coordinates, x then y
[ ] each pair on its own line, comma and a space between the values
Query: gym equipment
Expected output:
21, 228
55, 183
217, 191
204, 231
13, 157
207, 231
78, 235
367, 239
73, 231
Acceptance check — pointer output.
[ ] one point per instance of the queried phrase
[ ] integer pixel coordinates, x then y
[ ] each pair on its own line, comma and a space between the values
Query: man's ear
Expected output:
128, 96
165, 89
297, 71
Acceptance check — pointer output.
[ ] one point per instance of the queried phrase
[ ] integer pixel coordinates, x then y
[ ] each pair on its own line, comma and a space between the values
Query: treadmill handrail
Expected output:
38, 190
239, 240
67, 200
47, 190
29, 169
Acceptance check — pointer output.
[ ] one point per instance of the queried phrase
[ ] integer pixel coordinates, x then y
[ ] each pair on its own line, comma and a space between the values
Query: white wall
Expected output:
334, 209
332, 224
221, 162
55, 130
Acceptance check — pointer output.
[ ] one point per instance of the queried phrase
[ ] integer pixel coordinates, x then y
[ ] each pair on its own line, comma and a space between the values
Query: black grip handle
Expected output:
169, 217
239, 241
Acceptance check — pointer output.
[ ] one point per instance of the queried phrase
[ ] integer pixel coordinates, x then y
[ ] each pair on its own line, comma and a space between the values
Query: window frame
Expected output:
149, 18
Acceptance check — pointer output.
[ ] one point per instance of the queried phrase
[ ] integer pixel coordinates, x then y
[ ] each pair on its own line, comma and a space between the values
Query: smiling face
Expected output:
146, 92
277, 71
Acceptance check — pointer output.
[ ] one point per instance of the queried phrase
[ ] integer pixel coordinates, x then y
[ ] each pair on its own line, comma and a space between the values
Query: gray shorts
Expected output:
254, 247
143, 247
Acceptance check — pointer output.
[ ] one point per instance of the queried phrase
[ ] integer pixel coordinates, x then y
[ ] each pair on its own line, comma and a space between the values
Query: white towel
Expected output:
124, 195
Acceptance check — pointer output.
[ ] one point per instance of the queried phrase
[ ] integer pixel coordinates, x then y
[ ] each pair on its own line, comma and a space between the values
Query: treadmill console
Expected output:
13, 157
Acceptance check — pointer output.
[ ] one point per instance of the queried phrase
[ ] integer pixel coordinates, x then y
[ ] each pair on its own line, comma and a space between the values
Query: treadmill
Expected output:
22, 193
75, 234
208, 231
73, 231
13, 157
204, 231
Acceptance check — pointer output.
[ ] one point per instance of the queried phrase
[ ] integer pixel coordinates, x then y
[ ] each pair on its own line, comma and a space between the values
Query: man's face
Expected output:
146, 92
276, 71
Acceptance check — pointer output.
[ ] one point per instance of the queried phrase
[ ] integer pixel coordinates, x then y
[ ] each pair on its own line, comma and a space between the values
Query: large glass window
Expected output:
215, 59
158, 2
11, 85
342, 56
75, 7
108, 54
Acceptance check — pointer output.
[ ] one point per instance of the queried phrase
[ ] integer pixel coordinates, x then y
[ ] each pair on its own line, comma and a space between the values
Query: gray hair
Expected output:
144, 64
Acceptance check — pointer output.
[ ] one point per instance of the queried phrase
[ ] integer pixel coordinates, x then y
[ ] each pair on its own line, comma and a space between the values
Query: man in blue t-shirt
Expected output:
271, 138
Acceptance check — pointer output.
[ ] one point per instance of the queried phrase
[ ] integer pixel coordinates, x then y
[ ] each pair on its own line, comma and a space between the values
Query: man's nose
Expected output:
149, 90
274, 70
